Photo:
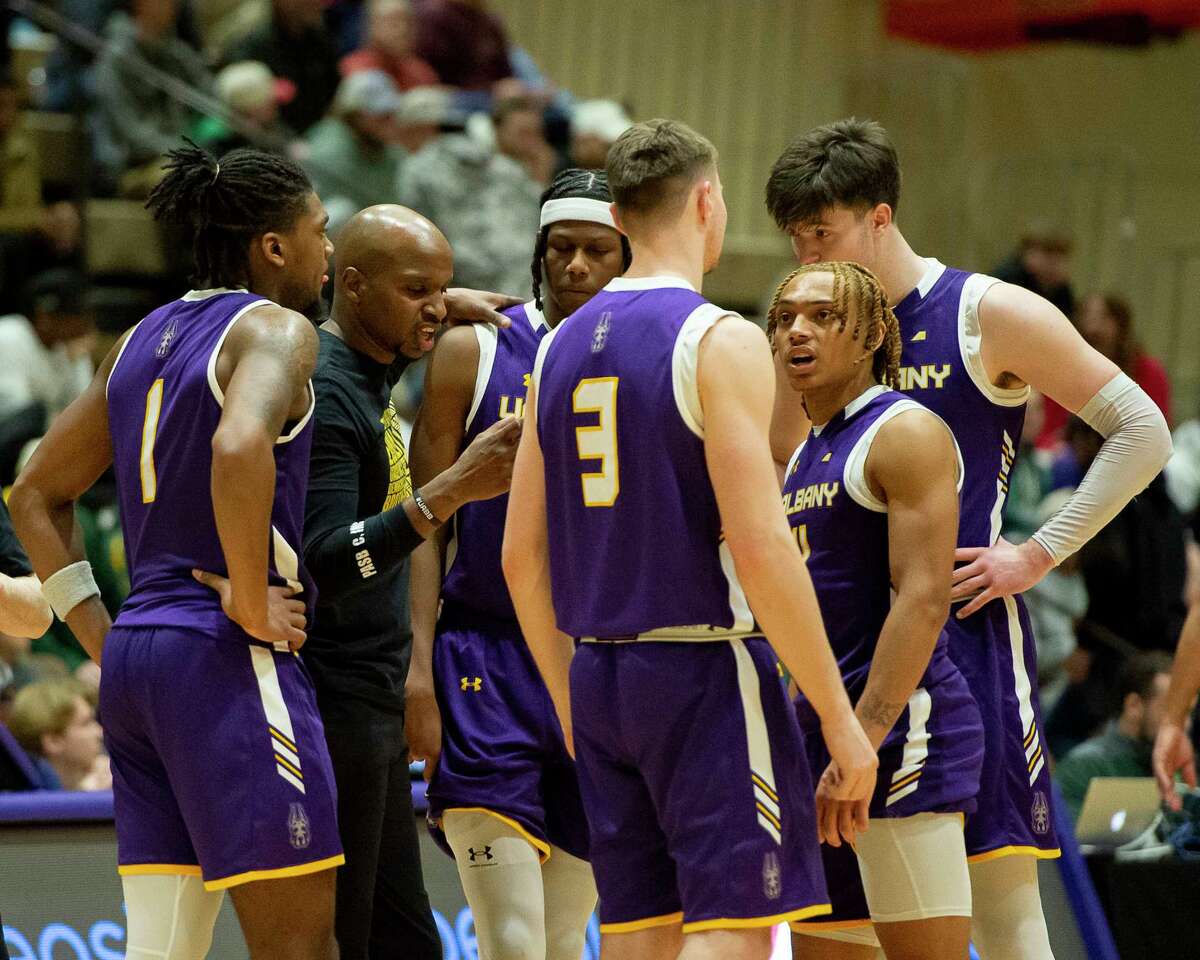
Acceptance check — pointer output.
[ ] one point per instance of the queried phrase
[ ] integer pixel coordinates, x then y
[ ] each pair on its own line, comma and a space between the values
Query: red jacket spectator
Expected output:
389, 47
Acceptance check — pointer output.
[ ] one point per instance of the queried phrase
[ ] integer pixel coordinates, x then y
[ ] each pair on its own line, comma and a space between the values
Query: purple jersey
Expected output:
930, 760
635, 536
164, 404
473, 576
942, 368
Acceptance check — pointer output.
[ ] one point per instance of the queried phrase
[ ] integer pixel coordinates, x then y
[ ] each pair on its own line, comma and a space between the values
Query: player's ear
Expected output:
617, 220
353, 283
704, 200
881, 217
272, 248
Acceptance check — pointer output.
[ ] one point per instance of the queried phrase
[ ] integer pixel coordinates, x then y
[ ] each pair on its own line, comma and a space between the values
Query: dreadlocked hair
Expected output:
228, 204
573, 182
855, 284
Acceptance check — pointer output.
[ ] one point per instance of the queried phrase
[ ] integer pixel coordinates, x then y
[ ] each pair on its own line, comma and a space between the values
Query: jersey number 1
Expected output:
599, 442
149, 433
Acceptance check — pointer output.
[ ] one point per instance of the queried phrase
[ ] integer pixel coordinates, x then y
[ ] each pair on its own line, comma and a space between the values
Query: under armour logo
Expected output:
471, 683
477, 856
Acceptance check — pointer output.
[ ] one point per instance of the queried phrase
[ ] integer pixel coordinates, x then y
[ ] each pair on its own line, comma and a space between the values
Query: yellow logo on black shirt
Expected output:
399, 479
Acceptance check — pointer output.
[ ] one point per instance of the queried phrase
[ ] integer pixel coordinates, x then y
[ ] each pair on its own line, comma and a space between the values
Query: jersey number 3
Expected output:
149, 433
599, 441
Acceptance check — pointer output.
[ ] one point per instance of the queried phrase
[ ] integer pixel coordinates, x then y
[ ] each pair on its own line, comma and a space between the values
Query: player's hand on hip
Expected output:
423, 727
998, 571
485, 467
1173, 754
281, 624
477, 306
852, 770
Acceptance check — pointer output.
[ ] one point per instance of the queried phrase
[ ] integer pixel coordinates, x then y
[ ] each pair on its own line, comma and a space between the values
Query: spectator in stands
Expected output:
355, 154
464, 42
595, 126
520, 135
484, 202
422, 114
24, 612
297, 47
389, 46
33, 235
47, 358
1124, 748
141, 121
1106, 322
54, 722
1042, 263
254, 95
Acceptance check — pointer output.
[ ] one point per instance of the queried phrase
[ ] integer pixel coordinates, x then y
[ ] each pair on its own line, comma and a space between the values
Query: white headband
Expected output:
577, 208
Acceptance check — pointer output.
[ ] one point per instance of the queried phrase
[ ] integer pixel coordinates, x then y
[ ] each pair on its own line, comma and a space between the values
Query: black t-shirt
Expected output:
13, 561
360, 639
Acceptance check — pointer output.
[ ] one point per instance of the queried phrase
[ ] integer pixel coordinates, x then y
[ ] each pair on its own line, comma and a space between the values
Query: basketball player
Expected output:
221, 777
973, 347
644, 520
872, 497
1173, 751
504, 791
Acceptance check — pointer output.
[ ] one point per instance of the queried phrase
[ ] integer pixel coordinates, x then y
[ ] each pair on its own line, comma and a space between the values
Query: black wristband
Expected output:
424, 508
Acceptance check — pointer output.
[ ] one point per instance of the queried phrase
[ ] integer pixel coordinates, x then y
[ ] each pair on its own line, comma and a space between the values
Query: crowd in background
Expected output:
428, 103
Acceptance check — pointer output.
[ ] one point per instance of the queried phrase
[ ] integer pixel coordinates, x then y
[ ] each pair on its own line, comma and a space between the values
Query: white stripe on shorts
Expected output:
916, 744
276, 711
1024, 690
758, 743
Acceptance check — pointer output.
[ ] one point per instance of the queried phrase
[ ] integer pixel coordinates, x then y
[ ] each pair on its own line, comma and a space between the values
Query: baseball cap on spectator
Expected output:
249, 85
368, 91
605, 119
428, 105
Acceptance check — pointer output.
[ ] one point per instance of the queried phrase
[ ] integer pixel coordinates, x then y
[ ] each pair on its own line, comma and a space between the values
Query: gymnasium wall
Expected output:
1102, 140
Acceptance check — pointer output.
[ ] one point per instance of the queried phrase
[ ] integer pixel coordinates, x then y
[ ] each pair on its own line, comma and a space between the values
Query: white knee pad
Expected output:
915, 868
570, 894
170, 917
1008, 923
501, 876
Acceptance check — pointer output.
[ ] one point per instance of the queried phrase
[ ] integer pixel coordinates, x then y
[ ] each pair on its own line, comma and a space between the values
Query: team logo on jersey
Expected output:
164, 342
474, 684
925, 377
299, 828
1040, 814
481, 857
772, 877
600, 333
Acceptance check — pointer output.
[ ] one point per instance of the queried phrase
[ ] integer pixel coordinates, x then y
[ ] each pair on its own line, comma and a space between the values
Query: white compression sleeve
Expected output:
170, 917
1137, 444
570, 891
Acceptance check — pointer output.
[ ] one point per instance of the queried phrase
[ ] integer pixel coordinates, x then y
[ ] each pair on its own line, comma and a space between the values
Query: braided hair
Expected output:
854, 282
228, 204
573, 182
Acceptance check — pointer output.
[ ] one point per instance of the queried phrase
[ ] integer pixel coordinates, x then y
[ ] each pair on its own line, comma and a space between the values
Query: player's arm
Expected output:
76, 450
464, 305
24, 611
1026, 337
736, 385
1172, 747
268, 358
526, 561
437, 442
913, 465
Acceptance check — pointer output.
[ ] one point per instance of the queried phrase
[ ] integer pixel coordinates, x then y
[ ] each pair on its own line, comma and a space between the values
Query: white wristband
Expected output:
69, 587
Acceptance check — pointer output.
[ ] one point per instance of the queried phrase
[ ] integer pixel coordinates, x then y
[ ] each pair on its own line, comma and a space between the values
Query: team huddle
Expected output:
742, 646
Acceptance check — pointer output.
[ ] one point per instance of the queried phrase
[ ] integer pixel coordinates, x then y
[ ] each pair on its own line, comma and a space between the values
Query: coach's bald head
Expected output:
393, 267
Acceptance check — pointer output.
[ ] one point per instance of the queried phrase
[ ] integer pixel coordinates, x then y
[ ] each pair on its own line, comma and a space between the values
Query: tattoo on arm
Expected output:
878, 712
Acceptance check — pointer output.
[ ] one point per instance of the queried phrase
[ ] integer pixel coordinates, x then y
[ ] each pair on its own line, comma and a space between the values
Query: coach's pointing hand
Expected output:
280, 624
478, 306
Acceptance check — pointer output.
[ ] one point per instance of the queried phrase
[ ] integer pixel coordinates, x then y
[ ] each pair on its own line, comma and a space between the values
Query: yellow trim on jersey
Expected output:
762, 784
774, 820
746, 923
158, 869
905, 782
817, 926
1029, 737
300, 870
284, 763
541, 846
1037, 755
632, 926
281, 738
1015, 851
